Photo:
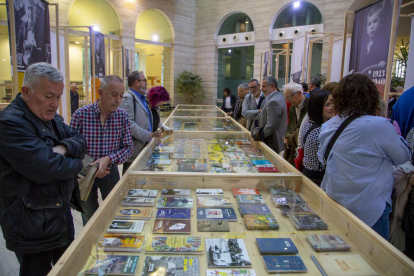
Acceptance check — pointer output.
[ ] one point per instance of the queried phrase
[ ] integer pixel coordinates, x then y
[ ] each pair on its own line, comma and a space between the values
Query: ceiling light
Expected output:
229, 50
247, 22
77, 42
96, 28
155, 37
296, 4
4, 59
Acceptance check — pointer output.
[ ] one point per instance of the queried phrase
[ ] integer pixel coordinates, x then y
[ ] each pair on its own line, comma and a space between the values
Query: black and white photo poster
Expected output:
32, 32
370, 41
99, 54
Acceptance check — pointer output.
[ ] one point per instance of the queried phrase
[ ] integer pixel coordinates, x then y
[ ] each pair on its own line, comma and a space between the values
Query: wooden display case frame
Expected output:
383, 257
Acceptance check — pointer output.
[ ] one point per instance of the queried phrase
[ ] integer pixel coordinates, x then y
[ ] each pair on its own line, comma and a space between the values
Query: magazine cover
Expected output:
322, 243
175, 192
307, 221
133, 213
175, 202
213, 202
227, 253
126, 226
284, 264
180, 245
250, 199
121, 242
142, 192
213, 225
260, 222
112, 265
171, 213
171, 266
219, 213
166, 226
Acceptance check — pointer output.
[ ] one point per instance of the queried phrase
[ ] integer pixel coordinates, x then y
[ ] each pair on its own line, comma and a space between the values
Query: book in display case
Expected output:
83, 253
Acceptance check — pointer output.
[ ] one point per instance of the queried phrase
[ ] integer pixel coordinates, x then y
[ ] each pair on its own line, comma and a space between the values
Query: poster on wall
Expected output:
370, 41
337, 58
127, 67
99, 54
32, 32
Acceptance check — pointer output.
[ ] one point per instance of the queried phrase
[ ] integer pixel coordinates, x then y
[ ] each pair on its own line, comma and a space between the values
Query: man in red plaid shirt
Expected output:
108, 135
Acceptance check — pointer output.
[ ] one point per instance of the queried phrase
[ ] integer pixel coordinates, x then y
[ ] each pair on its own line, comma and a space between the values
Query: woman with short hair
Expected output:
229, 101
358, 167
156, 97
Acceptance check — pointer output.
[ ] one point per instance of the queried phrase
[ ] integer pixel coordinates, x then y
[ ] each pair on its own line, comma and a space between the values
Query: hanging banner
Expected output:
32, 32
127, 68
337, 58
265, 64
99, 54
370, 41
297, 59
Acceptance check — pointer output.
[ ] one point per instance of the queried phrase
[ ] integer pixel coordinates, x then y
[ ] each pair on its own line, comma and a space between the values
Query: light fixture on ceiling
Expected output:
77, 42
229, 50
296, 4
155, 38
96, 28
247, 22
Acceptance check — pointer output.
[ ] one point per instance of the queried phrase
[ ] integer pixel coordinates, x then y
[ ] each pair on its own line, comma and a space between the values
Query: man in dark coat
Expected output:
40, 158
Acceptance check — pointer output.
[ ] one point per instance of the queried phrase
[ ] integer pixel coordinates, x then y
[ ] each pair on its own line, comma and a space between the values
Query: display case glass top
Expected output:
198, 113
202, 124
200, 107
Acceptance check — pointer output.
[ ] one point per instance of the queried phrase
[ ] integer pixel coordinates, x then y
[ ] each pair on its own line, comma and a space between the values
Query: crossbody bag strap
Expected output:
337, 133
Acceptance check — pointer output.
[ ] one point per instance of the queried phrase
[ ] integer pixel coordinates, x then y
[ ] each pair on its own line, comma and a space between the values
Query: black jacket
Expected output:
233, 100
36, 185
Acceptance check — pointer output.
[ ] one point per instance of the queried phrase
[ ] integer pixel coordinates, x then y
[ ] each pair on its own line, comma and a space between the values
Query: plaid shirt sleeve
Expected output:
75, 122
126, 146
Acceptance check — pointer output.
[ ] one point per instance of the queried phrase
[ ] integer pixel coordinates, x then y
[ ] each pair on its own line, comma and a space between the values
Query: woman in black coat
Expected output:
229, 101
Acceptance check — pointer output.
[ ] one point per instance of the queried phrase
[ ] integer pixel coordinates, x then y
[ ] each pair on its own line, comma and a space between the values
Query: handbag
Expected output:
301, 151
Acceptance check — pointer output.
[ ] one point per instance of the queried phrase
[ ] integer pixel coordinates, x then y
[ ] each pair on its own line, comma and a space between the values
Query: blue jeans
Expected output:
105, 185
382, 226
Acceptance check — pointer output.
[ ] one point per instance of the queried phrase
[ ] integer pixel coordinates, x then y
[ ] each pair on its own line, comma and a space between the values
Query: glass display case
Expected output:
203, 107
198, 113
203, 124
197, 159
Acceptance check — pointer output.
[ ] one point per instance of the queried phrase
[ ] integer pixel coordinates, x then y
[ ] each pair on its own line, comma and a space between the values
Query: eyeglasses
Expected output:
253, 87
290, 97
143, 80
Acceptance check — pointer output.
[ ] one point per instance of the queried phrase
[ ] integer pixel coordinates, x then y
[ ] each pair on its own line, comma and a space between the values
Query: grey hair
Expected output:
316, 81
105, 83
252, 80
293, 87
271, 80
383, 108
243, 86
41, 70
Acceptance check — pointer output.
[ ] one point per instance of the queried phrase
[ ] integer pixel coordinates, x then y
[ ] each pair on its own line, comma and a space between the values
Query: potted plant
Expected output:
189, 87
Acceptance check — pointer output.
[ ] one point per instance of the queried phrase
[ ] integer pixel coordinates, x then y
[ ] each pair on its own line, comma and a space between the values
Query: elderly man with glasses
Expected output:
299, 108
140, 115
253, 104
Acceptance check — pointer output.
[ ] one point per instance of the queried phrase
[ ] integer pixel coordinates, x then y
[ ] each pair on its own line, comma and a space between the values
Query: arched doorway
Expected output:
235, 39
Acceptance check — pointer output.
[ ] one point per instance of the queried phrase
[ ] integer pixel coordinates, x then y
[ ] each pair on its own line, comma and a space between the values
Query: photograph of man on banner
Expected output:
370, 42
32, 32
99, 55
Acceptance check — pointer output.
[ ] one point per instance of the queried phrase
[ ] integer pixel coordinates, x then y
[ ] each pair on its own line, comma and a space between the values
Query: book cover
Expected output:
180, 245
121, 242
126, 226
171, 266
142, 192
172, 213
175, 192
164, 168
307, 221
133, 213
175, 202
345, 265
287, 209
260, 161
260, 222
322, 243
284, 264
245, 191
213, 225
250, 199
219, 272
167, 226
220, 170
219, 213
254, 209
192, 167
158, 155
227, 253
276, 246
243, 272
230, 148
112, 265
255, 155
262, 169
159, 162
286, 197
209, 192
138, 201
235, 156
208, 202
164, 149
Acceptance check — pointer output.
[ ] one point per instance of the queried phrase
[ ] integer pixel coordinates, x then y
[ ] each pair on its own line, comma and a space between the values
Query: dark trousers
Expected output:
125, 167
105, 185
40, 263
382, 226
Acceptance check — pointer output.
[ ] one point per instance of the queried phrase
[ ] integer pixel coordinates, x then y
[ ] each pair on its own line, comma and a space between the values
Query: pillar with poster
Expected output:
372, 31
97, 60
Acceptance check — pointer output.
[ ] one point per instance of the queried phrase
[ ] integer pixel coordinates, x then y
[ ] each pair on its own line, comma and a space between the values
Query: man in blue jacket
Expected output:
40, 158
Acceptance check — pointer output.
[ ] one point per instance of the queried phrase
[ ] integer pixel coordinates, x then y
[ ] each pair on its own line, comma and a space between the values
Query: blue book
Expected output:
254, 209
216, 213
261, 162
276, 246
165, 213
283, 264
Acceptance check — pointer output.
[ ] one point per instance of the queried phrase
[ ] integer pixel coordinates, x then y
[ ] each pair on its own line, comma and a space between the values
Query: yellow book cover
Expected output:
159, 244
345, 265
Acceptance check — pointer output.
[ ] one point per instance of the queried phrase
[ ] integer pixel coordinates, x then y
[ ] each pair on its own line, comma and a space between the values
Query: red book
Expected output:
267, 169
245, 191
